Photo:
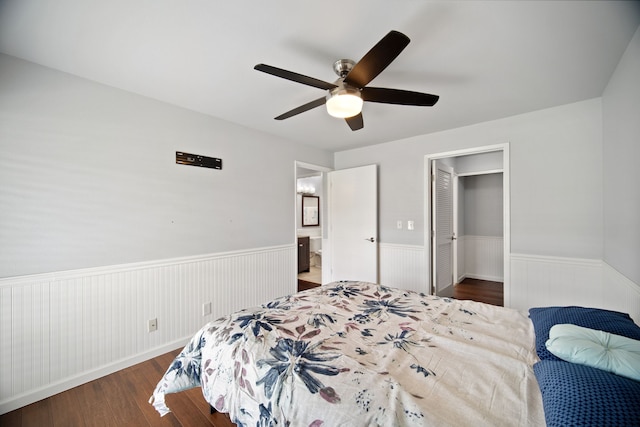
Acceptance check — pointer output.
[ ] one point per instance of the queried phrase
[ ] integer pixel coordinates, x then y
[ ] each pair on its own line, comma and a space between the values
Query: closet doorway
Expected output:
467, 209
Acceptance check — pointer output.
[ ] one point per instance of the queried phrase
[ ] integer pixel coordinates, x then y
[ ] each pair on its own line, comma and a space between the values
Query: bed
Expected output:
362, 354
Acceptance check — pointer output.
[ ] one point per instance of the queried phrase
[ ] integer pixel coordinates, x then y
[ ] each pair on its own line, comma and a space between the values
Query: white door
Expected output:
444, 236
353, 224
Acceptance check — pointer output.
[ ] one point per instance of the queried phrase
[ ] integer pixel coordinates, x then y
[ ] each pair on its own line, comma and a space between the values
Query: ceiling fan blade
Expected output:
301, 109
294, 77
377, 59
398, 96
356, 122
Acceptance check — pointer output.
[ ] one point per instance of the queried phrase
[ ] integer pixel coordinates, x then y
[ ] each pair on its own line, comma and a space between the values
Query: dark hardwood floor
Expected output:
480, 290
303, 285
121, 399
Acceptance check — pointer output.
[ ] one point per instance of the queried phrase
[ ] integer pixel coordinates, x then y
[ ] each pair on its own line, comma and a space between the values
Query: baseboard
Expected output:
484, 277
32, 396
62, 329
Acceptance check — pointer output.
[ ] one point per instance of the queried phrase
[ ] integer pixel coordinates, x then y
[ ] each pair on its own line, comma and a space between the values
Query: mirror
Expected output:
310, 211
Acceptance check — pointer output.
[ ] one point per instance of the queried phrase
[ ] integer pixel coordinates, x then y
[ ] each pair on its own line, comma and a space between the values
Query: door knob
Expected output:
371, 239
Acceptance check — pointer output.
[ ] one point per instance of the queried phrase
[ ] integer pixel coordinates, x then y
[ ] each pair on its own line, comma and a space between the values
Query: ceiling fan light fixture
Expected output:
344, 102
344, 97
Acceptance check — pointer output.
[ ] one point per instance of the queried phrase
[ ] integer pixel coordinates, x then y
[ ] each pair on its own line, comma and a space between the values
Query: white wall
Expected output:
555, 189
483, 206
71, 198
89, 184
481, 243
88, 177
556, 178
621, 154
575, 233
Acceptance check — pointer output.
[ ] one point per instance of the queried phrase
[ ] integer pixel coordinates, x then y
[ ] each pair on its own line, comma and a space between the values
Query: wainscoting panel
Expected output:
60, 330
483, 257
620, 293
538, 281
404, 266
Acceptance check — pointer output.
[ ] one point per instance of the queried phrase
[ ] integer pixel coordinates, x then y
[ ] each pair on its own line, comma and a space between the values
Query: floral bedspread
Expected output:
361, 354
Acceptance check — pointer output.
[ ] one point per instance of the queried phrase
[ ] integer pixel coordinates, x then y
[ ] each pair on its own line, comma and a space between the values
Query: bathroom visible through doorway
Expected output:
310, 223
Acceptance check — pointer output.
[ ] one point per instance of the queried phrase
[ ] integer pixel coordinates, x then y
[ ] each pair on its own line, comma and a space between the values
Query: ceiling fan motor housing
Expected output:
343, 66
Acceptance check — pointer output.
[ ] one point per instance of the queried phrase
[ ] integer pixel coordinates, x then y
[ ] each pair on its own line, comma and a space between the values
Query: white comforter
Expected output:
360, 354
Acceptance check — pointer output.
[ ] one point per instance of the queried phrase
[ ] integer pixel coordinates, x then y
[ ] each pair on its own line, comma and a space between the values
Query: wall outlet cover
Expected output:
152, 325
206, 309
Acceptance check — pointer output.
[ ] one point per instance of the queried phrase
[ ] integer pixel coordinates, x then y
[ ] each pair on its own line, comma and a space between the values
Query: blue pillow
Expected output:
578, 395
544, 318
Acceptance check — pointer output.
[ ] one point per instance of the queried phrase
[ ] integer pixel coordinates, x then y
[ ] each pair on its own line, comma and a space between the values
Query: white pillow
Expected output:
598, 349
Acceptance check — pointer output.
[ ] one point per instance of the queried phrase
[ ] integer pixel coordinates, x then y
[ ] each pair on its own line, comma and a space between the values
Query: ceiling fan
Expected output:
346, 95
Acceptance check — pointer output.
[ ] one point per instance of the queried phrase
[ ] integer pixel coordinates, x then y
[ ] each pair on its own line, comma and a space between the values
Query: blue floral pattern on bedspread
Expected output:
348, 353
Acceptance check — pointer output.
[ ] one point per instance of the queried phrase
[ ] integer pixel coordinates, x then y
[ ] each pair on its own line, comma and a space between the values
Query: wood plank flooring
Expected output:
480, 290
121, 399
303, 285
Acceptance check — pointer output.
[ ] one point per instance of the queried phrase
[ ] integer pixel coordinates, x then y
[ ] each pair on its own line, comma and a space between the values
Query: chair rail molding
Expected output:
62, 329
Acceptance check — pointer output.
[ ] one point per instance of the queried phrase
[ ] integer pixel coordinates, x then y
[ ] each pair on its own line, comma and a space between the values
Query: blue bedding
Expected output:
578, 395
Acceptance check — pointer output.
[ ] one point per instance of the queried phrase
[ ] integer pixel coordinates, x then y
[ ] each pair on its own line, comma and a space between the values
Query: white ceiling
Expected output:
486, 59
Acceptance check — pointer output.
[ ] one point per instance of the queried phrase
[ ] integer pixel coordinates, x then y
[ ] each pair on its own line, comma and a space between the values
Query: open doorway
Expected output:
311, 218
467, 209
